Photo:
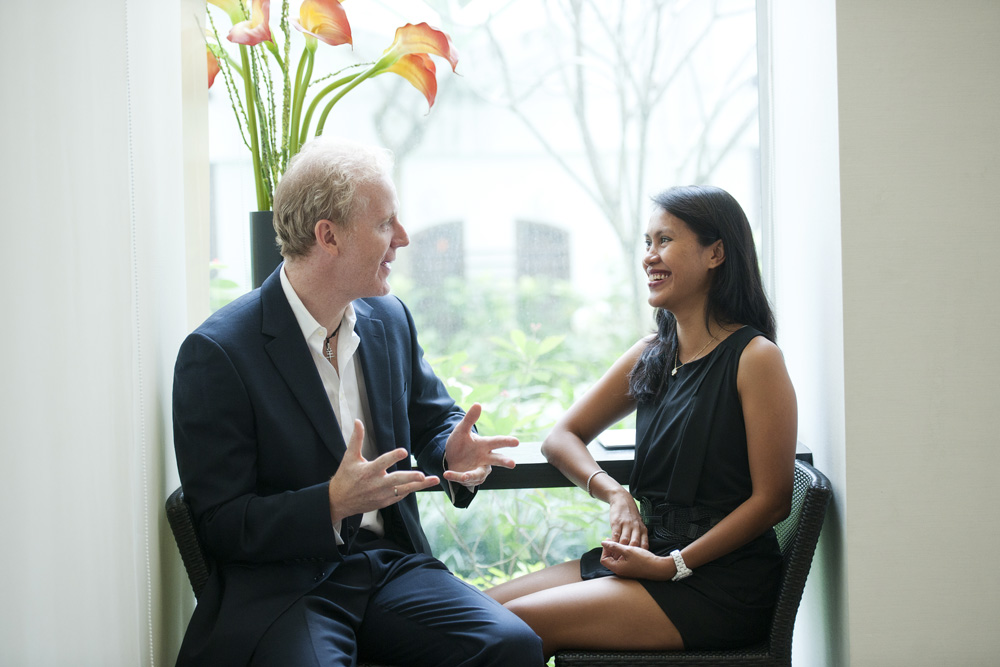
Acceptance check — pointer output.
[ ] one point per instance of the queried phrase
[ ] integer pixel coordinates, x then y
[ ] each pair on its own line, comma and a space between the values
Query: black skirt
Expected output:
725, 604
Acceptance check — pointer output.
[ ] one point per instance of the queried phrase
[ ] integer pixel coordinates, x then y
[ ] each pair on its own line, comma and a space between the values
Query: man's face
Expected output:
374, 233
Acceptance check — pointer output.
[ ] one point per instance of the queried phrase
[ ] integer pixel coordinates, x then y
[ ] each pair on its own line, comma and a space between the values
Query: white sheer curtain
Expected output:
103, 188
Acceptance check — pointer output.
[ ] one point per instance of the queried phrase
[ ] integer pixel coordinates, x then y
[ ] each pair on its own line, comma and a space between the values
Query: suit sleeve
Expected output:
216, 445
432, 415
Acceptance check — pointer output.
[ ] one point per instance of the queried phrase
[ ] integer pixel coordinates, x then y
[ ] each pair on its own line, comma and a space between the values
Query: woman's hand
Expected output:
635, 562
626, 522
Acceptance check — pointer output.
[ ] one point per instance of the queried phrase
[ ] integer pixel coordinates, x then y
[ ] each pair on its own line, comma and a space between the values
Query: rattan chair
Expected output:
797, 536
196, 562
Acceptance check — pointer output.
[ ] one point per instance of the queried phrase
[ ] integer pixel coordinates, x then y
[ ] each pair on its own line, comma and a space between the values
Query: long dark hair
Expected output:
736, 294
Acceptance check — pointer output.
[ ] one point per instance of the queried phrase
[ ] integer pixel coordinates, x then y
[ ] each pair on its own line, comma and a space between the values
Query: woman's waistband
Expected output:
667, 520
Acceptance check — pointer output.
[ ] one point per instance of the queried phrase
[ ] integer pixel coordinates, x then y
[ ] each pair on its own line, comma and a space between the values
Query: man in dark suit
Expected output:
297, 409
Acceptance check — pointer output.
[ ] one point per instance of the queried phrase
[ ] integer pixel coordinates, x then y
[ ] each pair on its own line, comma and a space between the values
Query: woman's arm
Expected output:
605, 403
770, 414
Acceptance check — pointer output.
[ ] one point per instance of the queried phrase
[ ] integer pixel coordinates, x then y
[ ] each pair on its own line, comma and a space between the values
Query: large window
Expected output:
525, 191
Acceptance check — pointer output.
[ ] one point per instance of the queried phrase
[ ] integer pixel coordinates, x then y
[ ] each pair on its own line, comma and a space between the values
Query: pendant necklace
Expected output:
677, 365
328, 352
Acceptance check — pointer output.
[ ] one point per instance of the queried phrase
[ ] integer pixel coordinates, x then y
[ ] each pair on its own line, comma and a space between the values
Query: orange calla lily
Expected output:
255, 30
420, 38
408, 57
325, 20
419, 70
213, 66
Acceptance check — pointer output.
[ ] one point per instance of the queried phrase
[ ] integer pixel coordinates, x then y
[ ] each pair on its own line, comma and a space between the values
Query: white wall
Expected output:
906, 127
920, 201
95, 299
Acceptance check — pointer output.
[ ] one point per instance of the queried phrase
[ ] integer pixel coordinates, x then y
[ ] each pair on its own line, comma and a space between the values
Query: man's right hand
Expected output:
361, 486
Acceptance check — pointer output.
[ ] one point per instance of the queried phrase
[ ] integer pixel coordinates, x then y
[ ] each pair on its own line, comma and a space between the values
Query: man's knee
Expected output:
514, 643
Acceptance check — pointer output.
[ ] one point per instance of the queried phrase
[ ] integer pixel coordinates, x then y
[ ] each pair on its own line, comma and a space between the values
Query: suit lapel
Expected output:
374, 355
290, 354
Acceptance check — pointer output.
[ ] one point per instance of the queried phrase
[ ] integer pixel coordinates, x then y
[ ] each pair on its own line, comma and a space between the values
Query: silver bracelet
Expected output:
592, 476
683, 571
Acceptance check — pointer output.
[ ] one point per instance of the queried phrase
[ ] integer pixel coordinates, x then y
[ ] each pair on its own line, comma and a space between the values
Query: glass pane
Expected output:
525, 191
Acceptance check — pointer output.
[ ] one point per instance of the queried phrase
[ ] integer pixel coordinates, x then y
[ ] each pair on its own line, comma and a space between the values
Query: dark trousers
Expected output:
388, 607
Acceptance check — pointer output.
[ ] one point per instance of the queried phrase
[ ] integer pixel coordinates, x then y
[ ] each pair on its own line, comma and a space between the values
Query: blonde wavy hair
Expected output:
321, 183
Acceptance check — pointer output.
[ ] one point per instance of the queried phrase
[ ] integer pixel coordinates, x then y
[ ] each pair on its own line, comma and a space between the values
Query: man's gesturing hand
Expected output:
360, 486
469, 456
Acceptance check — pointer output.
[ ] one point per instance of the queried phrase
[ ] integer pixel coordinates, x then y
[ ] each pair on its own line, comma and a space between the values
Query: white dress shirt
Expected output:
346, 391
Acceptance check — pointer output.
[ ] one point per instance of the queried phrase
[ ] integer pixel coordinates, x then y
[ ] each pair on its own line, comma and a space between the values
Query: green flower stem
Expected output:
367, 74
232, 63
273, 48
304, 132
301, 84
286, 91
263, 200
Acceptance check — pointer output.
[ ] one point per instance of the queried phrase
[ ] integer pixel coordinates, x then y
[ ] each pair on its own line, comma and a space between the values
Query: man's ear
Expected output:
718, 255
328, 237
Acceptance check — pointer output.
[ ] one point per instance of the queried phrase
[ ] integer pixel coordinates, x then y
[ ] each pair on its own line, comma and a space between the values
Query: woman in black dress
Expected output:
695, 562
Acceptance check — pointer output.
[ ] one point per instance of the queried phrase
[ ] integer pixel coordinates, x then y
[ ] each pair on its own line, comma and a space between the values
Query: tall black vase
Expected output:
264, 253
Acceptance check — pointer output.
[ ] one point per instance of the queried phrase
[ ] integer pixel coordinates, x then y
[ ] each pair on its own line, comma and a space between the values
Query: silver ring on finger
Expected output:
395, 491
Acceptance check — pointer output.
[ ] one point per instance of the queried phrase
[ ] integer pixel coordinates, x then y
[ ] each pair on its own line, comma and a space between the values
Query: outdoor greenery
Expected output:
525, 375
513, 346
221, 290
508, 533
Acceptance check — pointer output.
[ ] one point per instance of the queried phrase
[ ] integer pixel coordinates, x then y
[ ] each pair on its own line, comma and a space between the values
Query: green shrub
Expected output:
504, 534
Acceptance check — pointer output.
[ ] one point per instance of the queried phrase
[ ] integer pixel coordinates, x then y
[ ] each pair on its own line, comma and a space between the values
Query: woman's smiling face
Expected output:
677, 266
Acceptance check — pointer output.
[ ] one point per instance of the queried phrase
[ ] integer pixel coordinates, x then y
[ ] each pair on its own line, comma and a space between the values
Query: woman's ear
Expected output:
718, 255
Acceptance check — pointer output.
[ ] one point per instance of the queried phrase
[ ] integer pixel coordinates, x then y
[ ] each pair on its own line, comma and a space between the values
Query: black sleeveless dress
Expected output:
691, 450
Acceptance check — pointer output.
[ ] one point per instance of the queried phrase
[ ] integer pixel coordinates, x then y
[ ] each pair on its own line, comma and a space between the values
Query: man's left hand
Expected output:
469, 456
